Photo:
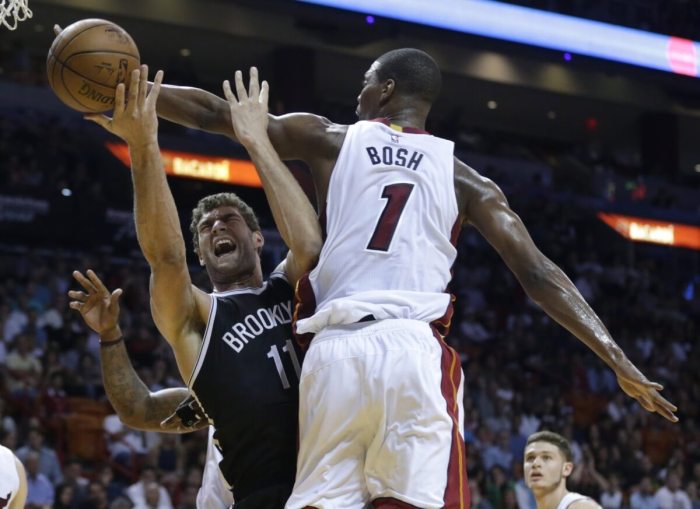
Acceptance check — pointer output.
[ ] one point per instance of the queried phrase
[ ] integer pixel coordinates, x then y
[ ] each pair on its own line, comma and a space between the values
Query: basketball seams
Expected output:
62, 56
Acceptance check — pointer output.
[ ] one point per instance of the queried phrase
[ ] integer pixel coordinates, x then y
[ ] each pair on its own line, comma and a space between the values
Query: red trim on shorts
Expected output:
391, 503
304, 307
457, 494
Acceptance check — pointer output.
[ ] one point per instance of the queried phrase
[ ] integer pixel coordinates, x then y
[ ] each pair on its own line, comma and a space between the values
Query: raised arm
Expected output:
485, 206
134, 403
303, 136
294, 216
176, 305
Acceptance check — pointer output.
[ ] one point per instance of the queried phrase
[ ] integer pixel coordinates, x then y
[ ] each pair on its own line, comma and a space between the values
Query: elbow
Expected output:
308, 253
538, 280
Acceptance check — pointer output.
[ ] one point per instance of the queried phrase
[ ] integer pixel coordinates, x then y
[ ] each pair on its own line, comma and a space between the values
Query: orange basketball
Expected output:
87, 61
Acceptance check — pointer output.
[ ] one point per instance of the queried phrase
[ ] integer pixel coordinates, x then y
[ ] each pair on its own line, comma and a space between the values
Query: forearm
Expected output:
195, 108
135, 405
554, 292
155, 214
294, 216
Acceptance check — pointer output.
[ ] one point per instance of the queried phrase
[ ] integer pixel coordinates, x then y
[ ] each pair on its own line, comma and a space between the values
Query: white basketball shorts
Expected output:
380, 420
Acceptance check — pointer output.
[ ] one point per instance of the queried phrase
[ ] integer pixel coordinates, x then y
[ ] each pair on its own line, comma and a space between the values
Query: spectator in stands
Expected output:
48, 459
40, 491
643, 495
137, 492
671, 495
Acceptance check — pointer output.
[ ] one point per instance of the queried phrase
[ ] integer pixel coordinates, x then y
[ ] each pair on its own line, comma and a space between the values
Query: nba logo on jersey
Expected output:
395, 138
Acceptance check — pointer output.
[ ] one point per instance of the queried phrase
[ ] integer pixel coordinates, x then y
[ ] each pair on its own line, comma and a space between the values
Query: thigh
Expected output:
333, 436
418, 458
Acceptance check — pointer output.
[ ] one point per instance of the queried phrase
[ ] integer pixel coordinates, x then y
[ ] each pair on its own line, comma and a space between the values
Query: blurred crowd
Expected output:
523, 372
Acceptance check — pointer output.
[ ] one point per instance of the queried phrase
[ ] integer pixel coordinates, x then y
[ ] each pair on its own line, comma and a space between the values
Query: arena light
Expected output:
184, 164
640, 229
538, 28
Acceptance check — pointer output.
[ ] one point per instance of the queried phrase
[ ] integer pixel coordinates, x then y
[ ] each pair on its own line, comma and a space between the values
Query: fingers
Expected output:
240, 89
254, 85
57, 29
264, 93
102, 120
228, 93
155, 89
78, 295
96, 281
114, 298
84, 282
133, 91
119, 100
143, 85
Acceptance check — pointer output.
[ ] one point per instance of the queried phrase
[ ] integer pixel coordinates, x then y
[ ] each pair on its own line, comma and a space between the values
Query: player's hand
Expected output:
647, 394
248, 108
135, 121
98, 307
188, 416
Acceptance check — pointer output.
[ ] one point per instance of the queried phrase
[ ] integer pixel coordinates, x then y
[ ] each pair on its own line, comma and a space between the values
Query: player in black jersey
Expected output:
233, 347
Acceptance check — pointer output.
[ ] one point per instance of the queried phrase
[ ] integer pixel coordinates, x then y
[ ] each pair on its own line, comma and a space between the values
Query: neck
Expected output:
252, 280
408, 114
551, 499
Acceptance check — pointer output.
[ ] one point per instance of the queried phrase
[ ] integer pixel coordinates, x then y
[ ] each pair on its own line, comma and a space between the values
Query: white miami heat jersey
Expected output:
9, 478
390, 215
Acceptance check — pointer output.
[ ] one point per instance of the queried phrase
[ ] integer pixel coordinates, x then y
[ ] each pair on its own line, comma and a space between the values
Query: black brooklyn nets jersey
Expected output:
246, 379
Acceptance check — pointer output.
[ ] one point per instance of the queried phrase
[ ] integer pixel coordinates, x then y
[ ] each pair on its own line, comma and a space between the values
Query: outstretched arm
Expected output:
134, 403
294, 216
176, 305
485, 206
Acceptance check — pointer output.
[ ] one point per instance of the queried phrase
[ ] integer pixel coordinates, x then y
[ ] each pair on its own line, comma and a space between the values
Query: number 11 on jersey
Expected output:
274, 354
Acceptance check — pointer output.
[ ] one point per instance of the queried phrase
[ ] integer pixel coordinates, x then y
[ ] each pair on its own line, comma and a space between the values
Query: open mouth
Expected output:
535, 477
223, 247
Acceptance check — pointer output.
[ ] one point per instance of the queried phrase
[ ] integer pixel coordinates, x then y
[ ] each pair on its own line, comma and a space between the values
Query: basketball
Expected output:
86, 62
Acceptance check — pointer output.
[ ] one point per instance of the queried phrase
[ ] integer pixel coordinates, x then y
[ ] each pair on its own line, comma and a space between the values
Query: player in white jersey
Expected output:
548, 462
380, 390
13, 481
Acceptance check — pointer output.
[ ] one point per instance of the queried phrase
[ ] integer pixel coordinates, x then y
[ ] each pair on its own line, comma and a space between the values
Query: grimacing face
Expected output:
545, 467
227, 246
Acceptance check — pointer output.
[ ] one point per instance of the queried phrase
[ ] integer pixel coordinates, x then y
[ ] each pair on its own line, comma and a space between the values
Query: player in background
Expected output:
547, 464
161, 411
233, 347
13, 480
391, 196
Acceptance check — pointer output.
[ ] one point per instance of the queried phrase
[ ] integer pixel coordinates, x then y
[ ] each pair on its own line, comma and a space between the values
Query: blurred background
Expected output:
600, 158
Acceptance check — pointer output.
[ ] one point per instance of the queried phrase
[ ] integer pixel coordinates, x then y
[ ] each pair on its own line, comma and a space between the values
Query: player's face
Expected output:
545, 467
227, 246
368, 100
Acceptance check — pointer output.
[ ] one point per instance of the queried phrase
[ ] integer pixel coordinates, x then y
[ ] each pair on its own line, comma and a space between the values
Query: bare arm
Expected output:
294, 216
135, 404
302, 136
486, 207
175, 303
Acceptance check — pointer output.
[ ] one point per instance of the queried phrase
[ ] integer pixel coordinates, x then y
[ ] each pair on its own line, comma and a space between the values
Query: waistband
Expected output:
369, 327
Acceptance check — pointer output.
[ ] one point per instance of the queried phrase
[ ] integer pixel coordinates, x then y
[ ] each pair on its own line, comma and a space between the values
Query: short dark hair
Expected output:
414, 72
209, 203
555, 439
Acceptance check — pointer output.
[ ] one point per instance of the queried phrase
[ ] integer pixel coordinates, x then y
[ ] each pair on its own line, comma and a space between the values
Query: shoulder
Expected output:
584, 503
473, 189
297, 135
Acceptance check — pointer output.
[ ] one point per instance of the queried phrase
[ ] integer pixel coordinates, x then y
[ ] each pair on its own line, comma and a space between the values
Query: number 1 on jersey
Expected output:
274, 354
396, 196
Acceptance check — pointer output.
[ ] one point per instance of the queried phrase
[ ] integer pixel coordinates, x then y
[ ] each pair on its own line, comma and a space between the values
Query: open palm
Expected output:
98, 307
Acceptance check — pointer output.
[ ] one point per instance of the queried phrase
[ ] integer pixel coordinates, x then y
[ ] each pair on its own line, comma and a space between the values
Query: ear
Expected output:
199, 257
567, 469
388, 89
258, 241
